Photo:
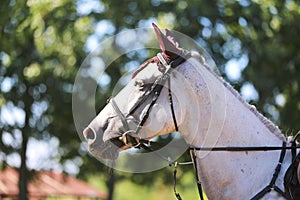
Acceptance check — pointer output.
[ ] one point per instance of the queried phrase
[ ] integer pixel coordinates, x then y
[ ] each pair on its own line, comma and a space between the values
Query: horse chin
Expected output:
106, 151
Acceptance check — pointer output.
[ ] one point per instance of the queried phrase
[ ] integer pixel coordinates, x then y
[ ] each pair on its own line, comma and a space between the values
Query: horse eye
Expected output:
140, 83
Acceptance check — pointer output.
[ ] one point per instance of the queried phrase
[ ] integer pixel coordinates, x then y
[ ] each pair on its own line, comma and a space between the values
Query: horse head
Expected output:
141, 110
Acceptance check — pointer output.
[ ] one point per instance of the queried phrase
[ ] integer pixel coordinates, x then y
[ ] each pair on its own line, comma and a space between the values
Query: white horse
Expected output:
209, 112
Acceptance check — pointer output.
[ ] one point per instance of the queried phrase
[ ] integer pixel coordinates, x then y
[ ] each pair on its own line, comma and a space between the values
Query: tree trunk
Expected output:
111, 184
23, 172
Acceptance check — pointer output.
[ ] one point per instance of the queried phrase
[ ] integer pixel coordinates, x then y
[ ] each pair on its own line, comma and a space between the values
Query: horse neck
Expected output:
220, 112
224, 119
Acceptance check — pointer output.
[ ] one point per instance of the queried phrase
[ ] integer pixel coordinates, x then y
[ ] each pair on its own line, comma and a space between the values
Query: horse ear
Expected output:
167, 43
171, 38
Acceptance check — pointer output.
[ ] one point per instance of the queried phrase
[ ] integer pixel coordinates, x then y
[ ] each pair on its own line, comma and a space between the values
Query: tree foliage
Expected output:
260, 34
43, 43
41, 48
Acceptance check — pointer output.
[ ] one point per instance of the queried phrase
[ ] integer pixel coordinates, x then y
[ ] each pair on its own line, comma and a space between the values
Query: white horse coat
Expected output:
210, 113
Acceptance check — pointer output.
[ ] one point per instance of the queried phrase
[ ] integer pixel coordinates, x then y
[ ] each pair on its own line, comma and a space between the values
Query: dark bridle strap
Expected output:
157, 92
154, 89
131, 137
271, 186
172, 105
172, 65
249, 148
119, 113
199, 184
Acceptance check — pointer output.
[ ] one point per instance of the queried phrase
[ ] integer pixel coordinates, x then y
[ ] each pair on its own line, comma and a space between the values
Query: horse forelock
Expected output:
145, 64
157, 61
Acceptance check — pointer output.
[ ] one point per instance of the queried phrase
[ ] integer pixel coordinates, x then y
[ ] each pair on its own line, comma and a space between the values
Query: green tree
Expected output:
41, 48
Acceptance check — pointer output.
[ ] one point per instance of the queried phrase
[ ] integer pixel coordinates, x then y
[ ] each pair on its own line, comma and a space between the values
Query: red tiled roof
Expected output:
46, 184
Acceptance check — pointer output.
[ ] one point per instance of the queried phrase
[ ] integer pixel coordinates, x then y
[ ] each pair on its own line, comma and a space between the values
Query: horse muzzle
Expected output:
101, 149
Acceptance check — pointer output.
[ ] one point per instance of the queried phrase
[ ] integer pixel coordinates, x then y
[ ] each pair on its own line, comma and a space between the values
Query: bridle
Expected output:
130, 138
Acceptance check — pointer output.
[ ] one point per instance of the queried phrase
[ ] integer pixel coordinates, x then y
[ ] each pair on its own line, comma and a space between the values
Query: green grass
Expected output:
127, 190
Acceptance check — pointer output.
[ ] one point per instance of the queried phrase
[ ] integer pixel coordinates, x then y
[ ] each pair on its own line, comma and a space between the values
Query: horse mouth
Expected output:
110, 149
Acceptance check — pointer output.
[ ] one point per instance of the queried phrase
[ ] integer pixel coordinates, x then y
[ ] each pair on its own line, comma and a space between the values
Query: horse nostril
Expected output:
89, 134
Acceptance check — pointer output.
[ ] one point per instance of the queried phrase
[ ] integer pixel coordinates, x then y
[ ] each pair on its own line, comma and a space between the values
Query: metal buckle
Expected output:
130, 139
164, 62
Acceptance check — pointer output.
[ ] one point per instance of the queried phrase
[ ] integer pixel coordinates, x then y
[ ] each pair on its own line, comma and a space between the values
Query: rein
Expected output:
193, 153
271, 186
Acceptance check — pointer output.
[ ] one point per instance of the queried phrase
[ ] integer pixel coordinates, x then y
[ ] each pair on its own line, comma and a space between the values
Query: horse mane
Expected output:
268, 123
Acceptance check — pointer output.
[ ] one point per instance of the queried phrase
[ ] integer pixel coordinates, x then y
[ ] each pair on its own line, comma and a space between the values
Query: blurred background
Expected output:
255, 45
